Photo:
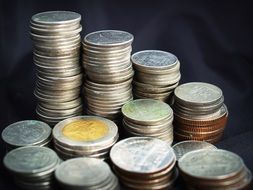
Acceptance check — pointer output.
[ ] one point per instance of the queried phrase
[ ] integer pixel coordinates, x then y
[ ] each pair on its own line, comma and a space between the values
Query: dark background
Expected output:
212, 39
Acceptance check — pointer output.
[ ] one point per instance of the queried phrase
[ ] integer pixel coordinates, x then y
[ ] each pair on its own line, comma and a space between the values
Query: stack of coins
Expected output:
106, 60
86, 174
156, 74
148, 117
56, 41
89, 136
26, 133
199, 111
32, 167
214, 170
181, 148
144, 163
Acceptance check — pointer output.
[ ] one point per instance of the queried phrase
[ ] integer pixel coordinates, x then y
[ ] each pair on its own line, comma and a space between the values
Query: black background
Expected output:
212, 39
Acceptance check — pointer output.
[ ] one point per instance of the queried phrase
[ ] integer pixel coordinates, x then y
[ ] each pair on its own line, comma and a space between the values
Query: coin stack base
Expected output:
214, 170
89, 136
86, 173
157, 74
56, 41
32, 167
106, 61
199, 112
148, 117
144, 163
26, 133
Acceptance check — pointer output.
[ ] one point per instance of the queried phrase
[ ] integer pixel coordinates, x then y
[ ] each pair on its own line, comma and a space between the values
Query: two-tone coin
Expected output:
89, 136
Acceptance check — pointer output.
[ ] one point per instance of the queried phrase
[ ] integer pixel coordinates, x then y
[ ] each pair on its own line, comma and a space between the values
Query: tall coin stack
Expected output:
86, 174
89, 136
214, 170
148, 117
27, 133
157, 74
144, 163
199, 112
56, 41
32, 167
106, 59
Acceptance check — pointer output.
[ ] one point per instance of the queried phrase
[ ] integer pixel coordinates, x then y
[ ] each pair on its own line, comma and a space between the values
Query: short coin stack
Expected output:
144, 163
56, 41
148, 117
214, 170
89, 136
181, 148
199, 111
156, 74
86, 174
106, 60
26, 133
32, 167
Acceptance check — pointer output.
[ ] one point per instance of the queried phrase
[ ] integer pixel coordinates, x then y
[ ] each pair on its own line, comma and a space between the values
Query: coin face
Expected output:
210, 164
108, 38
184, 147
56, 17
85, 130
154, 59
147, 110
33, 159
198, 93
83, 172
24, 133
142, 155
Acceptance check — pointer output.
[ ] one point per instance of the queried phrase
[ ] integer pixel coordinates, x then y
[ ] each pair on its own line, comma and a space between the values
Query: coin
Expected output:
88, 173
26, 133
184, 147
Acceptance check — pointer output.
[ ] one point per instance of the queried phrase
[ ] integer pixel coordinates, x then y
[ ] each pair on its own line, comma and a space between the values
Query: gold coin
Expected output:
85, 130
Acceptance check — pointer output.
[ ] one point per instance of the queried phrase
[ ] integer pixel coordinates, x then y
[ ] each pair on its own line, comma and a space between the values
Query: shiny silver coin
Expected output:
61, 105
154, 59
26, 133
142, 155
108, 38
184, 147
30, 160
55, 17
210, 164
146, 111
197, 93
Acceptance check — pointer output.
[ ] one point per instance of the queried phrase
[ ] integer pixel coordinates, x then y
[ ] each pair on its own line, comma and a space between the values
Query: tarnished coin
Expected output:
108, 38
30, 160
146, 111
184, 147
56, 17
210, 164
198, 93
154, 59
26, 133
142, 155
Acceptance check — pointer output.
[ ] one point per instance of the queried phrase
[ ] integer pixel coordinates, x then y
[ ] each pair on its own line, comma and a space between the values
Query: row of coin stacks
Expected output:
56, 51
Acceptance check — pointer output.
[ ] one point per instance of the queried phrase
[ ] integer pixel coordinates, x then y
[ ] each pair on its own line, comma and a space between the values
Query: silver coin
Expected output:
82, 172
184, 147
198, 93
142, 155
210, 164
108, 38
154, 59
56, 17
26, 133
30, 160
146, 111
